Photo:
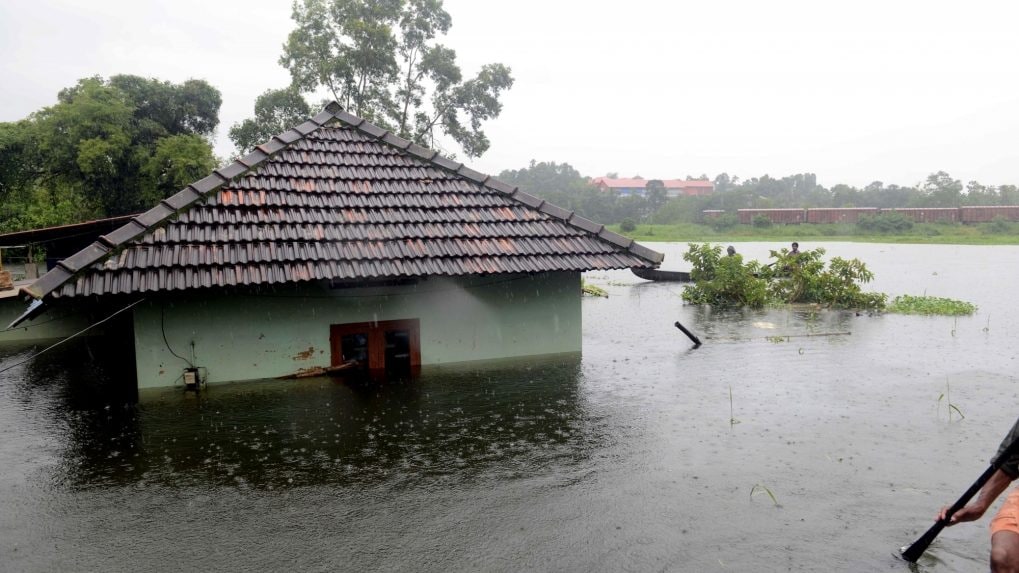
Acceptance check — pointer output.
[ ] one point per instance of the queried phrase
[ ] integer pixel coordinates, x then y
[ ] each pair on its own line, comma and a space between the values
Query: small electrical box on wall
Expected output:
192, 378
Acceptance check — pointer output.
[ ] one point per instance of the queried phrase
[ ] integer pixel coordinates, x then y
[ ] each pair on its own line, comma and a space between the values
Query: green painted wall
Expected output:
276, 333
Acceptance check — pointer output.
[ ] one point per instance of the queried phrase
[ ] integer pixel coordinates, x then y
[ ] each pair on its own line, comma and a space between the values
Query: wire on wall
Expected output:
76, 334
162, 328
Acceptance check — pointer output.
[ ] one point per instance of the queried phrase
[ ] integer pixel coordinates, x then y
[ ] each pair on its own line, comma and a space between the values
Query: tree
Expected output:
942, 190
722, 182
107, 147
379, 59
163, 108
18, 161
275, 112
562, 185
654, 190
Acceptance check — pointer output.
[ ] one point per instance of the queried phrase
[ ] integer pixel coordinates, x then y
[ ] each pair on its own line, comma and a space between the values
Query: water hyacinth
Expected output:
930, 305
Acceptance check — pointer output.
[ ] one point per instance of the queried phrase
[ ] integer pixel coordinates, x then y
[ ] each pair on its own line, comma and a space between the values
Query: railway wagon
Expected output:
988, 214
928, 214
777, 216
839, 215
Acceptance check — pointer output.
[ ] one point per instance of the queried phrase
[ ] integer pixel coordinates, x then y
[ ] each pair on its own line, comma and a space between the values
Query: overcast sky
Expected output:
853, 91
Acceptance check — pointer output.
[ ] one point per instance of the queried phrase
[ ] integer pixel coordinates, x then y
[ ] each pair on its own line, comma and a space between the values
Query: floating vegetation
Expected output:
760, 488
947, 397
592, 290
930, 305
777, 339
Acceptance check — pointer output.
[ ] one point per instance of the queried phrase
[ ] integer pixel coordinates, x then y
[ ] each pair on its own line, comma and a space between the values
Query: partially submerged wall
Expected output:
281, 331
57, 322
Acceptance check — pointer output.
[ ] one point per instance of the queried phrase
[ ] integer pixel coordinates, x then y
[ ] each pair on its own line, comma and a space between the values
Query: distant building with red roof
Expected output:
637, 186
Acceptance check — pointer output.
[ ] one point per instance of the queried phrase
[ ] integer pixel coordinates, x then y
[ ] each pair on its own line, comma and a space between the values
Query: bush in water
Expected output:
800, 277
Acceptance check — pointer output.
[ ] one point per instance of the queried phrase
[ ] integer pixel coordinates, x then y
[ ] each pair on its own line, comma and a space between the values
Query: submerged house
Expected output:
339, 243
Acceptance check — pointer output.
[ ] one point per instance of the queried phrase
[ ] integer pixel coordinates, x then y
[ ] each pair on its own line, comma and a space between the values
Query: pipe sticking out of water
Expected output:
690, 335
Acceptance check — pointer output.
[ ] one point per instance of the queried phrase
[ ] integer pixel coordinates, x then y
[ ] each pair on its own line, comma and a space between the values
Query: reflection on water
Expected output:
744, 324
507, 418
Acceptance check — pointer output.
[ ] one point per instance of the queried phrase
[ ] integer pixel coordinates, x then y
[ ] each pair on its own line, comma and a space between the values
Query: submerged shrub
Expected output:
791, 278
803, 277
723, 280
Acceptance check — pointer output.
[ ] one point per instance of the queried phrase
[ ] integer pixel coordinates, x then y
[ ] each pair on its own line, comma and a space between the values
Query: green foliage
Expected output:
40, 207
105, 148
628, 225
885, 223
177, 161
724, 222
162, 108
19, 161
930, 305
562, 185
942, 191
275, 112
379, 59
761, 221
723, 280
791, 278
655, 195
803, 278
1000, 225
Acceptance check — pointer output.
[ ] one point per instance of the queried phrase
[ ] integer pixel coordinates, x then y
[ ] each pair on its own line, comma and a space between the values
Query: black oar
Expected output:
914, 551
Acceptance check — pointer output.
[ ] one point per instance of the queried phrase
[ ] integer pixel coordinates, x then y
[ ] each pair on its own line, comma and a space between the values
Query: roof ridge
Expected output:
437, 160
187, 198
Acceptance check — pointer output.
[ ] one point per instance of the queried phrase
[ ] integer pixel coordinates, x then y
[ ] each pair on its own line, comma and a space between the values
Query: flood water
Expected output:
762, 450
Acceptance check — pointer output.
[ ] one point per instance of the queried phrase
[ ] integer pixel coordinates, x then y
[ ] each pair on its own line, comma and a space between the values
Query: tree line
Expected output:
113, 146
561, 184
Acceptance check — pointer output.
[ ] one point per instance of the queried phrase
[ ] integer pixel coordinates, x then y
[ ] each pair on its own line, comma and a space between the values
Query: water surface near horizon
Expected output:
632, 457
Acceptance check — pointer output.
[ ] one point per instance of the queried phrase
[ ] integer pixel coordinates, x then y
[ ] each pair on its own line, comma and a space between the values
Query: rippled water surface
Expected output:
644, 454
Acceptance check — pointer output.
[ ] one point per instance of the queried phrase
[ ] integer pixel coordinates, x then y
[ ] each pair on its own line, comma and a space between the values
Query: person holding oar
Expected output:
1005, 524
1004, 469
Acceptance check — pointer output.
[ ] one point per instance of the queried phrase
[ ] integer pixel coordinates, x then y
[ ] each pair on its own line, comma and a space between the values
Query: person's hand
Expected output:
968, 513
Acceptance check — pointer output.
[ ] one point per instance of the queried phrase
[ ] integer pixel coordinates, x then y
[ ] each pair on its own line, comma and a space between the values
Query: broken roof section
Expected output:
337, 198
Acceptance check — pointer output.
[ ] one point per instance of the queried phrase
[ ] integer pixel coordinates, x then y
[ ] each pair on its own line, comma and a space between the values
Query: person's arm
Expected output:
992, 489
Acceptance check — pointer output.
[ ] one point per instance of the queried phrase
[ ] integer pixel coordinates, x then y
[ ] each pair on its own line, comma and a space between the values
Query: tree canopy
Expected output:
275, 112
381, 61
106, 148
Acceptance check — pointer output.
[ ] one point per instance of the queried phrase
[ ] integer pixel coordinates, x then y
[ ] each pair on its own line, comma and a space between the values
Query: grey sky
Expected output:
853, 91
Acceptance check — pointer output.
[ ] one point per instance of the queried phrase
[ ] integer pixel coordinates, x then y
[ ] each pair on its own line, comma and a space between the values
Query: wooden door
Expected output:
377, 345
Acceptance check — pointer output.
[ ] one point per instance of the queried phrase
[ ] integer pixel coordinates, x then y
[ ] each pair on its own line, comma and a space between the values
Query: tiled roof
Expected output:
343, 201
686, 184
616, 183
